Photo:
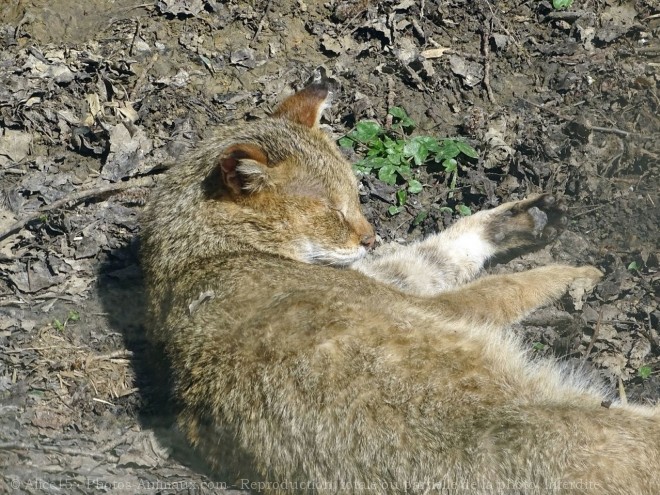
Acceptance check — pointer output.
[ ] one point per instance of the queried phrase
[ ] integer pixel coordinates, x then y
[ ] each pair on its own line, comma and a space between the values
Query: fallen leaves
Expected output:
14, 147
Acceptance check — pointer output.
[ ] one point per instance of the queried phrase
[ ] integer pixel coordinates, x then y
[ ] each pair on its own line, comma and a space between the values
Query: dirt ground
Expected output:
98, 98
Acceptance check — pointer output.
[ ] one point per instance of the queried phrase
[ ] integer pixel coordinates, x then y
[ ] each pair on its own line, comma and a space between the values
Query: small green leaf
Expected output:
398, 112
405, 171
538, 346
74, 315
446, 209
358, 167
432, 144
365, 131
464, 210
561, 4
467, 150
389, 143
634, 266
387, 174
401, 197
58, 325
394, 210
395, 158
644, 372
402, 117
346, 142
450, 165
414, 186
420, 217
417, 150
375, 161
448, 149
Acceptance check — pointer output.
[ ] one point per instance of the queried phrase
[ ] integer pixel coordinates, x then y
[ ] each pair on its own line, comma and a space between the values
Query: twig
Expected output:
649, 334
60, 450
26, 19
122, 353
349, 23
594, 336
135, 36
126, 392
262, 21
647, 50
27, 349
609, 130
598, 207
499, 21
390, 102
140, 80
415, 77
76, 198
485, 51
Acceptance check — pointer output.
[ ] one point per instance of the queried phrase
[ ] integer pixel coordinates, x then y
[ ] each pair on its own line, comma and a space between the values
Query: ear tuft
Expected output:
306, 106
243, 169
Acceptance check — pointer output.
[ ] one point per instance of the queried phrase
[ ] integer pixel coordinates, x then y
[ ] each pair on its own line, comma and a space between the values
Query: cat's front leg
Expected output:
455, 256
504, 299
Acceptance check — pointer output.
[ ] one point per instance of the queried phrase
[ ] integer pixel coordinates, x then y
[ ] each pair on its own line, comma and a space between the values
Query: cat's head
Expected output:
277, 185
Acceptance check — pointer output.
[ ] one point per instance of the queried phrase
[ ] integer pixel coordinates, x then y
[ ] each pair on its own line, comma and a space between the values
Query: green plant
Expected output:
644, 372
634, 266
562, 4
72, 316
538, 346
461, 209
396, 155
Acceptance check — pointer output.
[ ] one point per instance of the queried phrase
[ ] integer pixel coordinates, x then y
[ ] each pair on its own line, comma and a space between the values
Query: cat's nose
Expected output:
368, 241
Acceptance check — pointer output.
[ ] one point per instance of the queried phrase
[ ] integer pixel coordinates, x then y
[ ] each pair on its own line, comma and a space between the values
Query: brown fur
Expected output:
398, 374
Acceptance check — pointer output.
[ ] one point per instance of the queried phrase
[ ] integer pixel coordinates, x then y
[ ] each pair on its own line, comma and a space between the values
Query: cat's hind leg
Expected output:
457, 255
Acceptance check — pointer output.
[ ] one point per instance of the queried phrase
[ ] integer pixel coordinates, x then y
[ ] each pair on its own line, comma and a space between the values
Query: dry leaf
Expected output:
434, 52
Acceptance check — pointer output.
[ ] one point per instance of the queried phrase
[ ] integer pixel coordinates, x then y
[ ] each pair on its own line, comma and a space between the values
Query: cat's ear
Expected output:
243, 169
306, 106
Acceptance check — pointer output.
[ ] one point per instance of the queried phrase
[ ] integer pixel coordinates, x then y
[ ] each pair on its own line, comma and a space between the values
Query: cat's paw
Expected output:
525, 224
584, 280
586, 277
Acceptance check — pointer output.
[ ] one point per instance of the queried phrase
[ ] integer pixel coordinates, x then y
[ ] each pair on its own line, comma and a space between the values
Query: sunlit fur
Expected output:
396, 376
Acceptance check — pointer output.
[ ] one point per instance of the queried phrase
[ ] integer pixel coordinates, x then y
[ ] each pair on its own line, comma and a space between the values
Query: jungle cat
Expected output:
304, 363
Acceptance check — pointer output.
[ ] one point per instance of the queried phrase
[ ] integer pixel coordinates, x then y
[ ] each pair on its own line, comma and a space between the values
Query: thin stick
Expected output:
140, 80
122, 353
390, 102
610, 130
262, 21
485, 50
60, 450
27, 349
76, 198
594, 336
